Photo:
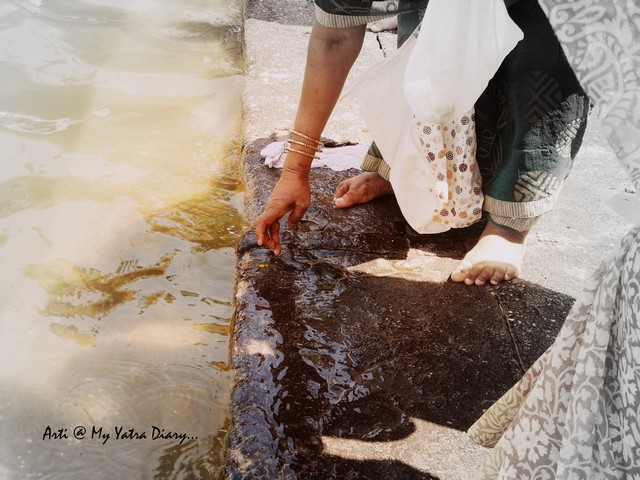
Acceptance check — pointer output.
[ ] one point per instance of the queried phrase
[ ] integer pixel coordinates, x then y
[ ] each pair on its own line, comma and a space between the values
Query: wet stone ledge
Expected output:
354, 332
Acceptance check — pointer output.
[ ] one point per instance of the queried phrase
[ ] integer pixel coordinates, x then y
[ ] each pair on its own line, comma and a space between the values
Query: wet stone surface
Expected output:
354, 330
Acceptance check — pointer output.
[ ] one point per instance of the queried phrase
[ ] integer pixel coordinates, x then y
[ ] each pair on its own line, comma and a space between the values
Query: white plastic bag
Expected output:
388, 117
393, 118
460, 47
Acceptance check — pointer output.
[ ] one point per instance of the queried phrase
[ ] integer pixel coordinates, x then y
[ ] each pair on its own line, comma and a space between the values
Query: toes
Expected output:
495, 258
471, 274
361, 189
510, 273
460, 273
503, 272
344, 194
478, 275
342, 188
493, 273
499, 275
482, 273
345, 201
486, 273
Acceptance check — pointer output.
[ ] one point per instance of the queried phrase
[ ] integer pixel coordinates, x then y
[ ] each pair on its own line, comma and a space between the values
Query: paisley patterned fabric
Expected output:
576, 413
600, 39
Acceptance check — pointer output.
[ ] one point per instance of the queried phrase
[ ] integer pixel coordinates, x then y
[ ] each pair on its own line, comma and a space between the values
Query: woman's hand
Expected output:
291, 193
330, 55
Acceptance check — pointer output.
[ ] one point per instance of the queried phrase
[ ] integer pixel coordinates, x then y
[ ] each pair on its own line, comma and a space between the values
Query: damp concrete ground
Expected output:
355, 356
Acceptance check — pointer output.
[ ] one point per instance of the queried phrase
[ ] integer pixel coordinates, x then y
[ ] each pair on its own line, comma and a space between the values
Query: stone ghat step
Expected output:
355, 357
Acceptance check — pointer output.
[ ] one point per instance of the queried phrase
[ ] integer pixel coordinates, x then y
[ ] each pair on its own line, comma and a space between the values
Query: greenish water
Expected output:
120, 207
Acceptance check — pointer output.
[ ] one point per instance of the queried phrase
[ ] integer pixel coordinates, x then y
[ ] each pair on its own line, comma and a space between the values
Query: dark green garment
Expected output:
529, 121
364, 11
349, 13
367, 8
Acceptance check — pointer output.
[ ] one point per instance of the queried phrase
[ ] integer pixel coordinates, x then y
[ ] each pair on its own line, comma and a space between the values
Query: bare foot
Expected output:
361, 189
383, 25
496, 257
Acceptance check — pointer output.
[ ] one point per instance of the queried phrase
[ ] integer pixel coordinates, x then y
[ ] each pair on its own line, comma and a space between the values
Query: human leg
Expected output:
375, 181
366, 186
496, 257
530, 122
383, 25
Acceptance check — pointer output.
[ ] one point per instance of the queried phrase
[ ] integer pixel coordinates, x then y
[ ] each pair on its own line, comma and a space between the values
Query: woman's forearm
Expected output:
330, 56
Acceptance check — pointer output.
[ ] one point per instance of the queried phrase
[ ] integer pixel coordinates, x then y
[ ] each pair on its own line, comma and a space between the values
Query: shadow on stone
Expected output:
354, 331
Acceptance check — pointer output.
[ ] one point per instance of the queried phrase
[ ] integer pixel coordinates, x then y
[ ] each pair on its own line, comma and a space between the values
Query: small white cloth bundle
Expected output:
338, 158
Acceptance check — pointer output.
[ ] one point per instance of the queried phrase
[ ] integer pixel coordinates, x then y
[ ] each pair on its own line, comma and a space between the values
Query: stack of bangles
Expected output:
315, 145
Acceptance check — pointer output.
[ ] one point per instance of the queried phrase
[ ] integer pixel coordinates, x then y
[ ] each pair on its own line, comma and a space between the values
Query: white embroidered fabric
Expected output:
576, 413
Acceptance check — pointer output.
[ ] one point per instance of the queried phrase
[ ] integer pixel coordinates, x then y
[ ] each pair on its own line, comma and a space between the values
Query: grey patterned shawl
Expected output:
601, 39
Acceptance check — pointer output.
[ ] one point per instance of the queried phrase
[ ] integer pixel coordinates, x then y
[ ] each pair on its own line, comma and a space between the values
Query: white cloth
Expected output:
460, 47
337, 159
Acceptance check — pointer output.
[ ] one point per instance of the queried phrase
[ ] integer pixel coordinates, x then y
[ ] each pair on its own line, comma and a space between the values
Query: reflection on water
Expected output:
119, 214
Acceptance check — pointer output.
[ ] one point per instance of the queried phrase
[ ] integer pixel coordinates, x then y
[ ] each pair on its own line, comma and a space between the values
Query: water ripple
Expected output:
76, 12
30, 124
117, 234
105, 393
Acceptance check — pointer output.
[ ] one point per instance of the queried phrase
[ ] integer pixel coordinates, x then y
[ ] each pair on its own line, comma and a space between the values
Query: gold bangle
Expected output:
310, 155
302, 135
317, 149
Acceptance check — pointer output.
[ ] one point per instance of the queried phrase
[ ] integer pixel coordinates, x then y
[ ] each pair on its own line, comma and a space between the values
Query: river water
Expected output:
120, 206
